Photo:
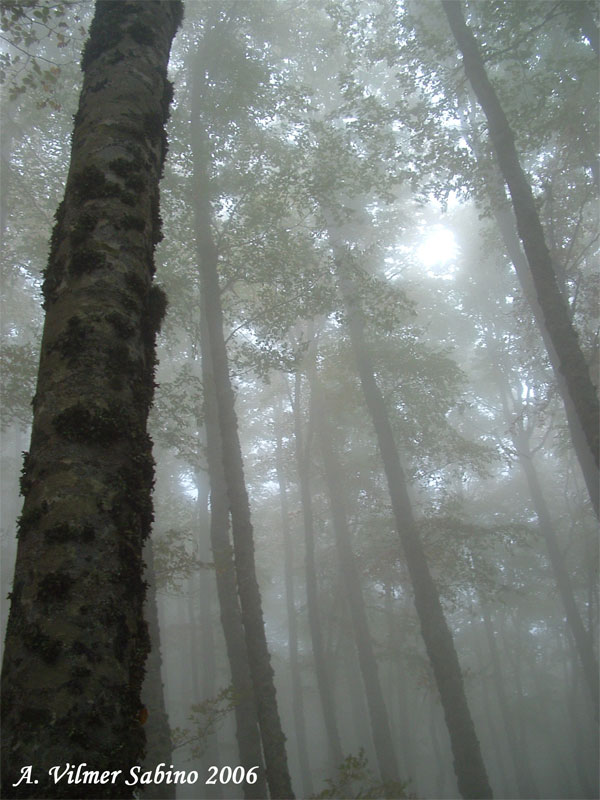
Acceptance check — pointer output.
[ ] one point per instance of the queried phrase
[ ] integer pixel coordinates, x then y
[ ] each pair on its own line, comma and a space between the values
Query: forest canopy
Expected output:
308, 451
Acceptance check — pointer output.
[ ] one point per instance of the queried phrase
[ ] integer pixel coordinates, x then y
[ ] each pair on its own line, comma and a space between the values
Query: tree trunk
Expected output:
273, 739
556, 314
380, 726
297, 703
525, 780
158, 731
246, 719
77, 640
581, 637
202, 635
326, 693
468, 762
505, 221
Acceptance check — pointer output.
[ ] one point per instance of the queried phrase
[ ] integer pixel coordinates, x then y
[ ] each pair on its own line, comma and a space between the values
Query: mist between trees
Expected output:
310, 473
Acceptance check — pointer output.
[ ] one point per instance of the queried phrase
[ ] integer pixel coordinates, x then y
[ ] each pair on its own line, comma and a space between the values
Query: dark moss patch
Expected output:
122, 325
25, 479
67, 532
92, 425
36, 641
71, 343
128, 199
86, 260
136, 284
142, 34
91, 184
121, 639
83, 228
130, 222
106, 31
80, 649
154, 124
167, 98
97, 87
35, 716
55, 587
157, 235
158, 303
29, 519
129, 171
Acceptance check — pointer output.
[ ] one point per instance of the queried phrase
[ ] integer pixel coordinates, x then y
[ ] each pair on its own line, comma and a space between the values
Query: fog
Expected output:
374, 424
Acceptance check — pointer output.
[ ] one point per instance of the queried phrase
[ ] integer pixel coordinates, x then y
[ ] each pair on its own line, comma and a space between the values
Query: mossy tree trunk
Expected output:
557, 320
77, 640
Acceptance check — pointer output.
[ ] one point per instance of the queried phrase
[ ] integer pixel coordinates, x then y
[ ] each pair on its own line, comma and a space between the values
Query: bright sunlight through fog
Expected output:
438, 250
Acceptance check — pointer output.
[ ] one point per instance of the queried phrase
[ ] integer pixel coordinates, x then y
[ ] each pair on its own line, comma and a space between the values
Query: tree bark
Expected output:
77, 640
556, 314
158, 731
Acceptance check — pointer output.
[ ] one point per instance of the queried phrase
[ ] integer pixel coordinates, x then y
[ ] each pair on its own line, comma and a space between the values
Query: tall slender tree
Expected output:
469, 767
273, 739
77, 640
556, 315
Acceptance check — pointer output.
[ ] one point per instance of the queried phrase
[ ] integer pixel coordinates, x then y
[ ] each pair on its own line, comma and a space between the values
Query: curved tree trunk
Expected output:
554, 309
77, 640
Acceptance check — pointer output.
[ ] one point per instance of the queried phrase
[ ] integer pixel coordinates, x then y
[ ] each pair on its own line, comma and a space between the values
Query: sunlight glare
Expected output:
438, 249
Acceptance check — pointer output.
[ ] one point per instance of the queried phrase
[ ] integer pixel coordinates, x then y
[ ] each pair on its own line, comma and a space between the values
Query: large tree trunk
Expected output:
468, 762
324, 685
380, 726
77, 640
554, 309
288, 556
